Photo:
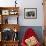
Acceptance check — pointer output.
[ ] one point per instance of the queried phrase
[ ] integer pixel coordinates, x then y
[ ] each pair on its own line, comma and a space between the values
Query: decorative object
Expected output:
15, 37
30, 38
5, 12
7, 34
6, 21
31, 41
13, 12
30, 13
15, 30
15, 3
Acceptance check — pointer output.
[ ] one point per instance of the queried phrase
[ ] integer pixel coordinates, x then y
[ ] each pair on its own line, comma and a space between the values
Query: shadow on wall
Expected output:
37, 29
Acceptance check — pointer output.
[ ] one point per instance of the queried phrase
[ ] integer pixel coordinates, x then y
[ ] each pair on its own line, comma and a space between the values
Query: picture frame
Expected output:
30, 13
13, 12
5, 12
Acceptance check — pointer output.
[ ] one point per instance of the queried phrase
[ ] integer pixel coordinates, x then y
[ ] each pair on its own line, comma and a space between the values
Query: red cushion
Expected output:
29, 33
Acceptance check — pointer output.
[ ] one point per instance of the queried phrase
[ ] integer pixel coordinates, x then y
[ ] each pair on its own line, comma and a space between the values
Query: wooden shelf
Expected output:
9, 7
9, 43
4, 13
11, 26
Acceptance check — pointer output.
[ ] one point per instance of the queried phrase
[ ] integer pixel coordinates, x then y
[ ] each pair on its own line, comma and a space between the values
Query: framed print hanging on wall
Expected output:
30, 13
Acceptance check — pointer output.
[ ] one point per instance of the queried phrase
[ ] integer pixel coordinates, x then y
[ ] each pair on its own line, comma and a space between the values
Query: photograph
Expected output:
30, 13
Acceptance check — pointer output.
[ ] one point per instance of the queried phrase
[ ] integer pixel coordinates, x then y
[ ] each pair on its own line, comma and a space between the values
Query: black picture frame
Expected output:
30, 13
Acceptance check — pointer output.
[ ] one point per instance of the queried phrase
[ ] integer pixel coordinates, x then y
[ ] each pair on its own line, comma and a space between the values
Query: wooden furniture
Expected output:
0, 43
8, 11
44, 7
11, 26
10, 43
44, 37
5, 13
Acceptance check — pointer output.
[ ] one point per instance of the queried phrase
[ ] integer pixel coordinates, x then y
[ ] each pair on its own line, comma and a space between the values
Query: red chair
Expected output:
29, 33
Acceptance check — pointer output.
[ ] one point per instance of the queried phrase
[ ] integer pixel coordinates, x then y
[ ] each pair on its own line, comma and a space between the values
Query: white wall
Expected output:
32, 4
27, 4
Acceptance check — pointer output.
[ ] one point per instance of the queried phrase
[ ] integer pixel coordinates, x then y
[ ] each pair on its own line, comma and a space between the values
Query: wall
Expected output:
32, 4
26, 4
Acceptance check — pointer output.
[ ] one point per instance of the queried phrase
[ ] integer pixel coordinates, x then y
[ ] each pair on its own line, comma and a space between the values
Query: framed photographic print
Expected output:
5, 12
30, 13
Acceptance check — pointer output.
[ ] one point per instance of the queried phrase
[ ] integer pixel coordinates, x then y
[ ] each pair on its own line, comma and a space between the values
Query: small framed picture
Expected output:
5, 12
30, 13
